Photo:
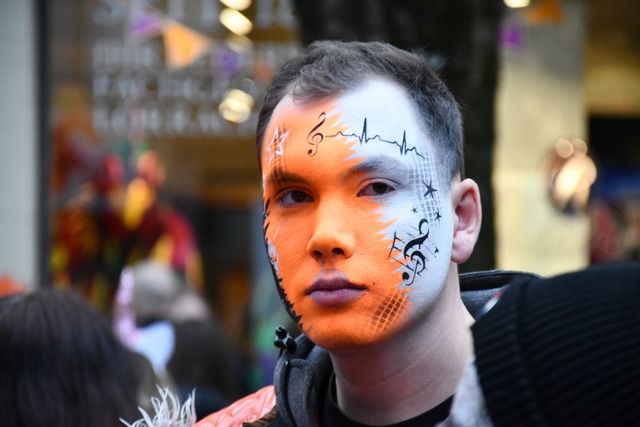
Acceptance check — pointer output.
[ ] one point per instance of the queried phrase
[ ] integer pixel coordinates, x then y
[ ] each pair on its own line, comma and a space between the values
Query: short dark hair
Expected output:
61, 364
329, 68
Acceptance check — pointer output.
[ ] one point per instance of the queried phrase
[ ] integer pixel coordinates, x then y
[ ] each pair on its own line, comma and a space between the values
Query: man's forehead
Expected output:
378, 93
291, 110
384, 104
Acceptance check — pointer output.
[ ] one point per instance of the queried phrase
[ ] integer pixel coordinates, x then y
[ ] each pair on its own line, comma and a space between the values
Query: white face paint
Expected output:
358, 223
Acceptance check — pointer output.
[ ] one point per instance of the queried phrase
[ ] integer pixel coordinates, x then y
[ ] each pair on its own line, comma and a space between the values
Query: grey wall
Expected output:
18, 142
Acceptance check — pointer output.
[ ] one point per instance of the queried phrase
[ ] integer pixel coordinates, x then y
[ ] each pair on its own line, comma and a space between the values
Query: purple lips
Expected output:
332, 287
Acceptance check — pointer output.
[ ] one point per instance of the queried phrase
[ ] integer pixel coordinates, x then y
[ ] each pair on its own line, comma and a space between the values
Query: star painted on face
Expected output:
414, 210
430, 189
275, 145
438, 215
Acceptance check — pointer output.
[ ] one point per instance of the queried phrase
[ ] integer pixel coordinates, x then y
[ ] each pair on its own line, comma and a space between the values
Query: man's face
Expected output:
357, 224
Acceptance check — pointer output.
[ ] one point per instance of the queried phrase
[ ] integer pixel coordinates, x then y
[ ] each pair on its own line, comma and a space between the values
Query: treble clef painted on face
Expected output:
315, 138
415, 255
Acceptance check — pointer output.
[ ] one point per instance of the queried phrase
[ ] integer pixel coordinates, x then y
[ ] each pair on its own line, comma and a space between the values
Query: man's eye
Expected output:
376, 189
295, 196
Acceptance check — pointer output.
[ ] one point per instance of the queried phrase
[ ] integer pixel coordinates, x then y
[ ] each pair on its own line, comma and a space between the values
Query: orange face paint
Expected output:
355, 221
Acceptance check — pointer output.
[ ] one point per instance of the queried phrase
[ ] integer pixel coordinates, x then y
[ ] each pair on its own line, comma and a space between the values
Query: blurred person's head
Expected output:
158, 292
10, 289
556, 353
205, 359
61, 365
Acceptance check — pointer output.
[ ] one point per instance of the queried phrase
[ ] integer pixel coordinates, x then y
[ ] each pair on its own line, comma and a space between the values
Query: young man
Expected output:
367, 215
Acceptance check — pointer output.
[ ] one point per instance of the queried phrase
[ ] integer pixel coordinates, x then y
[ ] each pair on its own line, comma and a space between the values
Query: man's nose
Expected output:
332, 235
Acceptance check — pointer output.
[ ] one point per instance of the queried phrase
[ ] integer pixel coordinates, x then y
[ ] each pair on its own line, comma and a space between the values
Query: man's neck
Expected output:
409, 374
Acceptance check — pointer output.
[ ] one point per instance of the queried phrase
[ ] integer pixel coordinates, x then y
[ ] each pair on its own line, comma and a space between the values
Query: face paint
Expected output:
358, 227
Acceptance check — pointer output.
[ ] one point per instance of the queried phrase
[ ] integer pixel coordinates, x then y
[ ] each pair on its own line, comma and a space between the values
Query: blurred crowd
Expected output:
64, 362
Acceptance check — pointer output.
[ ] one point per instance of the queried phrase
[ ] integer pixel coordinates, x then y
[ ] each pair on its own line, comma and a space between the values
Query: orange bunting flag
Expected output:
183, 46
545, 12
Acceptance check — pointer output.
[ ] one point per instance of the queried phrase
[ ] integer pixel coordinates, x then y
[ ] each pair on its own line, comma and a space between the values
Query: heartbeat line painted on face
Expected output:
364, 138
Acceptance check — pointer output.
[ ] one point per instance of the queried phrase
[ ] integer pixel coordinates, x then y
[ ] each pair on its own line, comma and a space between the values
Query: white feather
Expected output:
167, 412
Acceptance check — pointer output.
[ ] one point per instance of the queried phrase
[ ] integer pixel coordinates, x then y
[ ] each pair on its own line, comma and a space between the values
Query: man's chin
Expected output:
343, 338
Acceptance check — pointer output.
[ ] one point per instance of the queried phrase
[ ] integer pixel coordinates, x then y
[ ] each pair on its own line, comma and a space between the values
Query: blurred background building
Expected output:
128, 134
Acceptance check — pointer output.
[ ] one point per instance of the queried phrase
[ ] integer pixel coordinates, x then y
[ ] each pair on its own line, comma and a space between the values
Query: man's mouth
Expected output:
332, 287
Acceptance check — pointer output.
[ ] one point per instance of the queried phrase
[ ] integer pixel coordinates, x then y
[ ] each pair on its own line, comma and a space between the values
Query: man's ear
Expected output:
467, 218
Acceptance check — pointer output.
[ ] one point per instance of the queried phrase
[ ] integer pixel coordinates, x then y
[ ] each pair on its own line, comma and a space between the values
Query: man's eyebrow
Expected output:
381, 164
279, 176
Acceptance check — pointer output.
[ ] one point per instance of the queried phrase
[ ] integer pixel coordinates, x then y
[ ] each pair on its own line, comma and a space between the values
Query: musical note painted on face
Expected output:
417, 260
314, 138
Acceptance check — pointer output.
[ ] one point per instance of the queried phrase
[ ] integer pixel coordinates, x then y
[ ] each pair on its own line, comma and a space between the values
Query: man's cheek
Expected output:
270, 231
272, 252
285, 252
393, 308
